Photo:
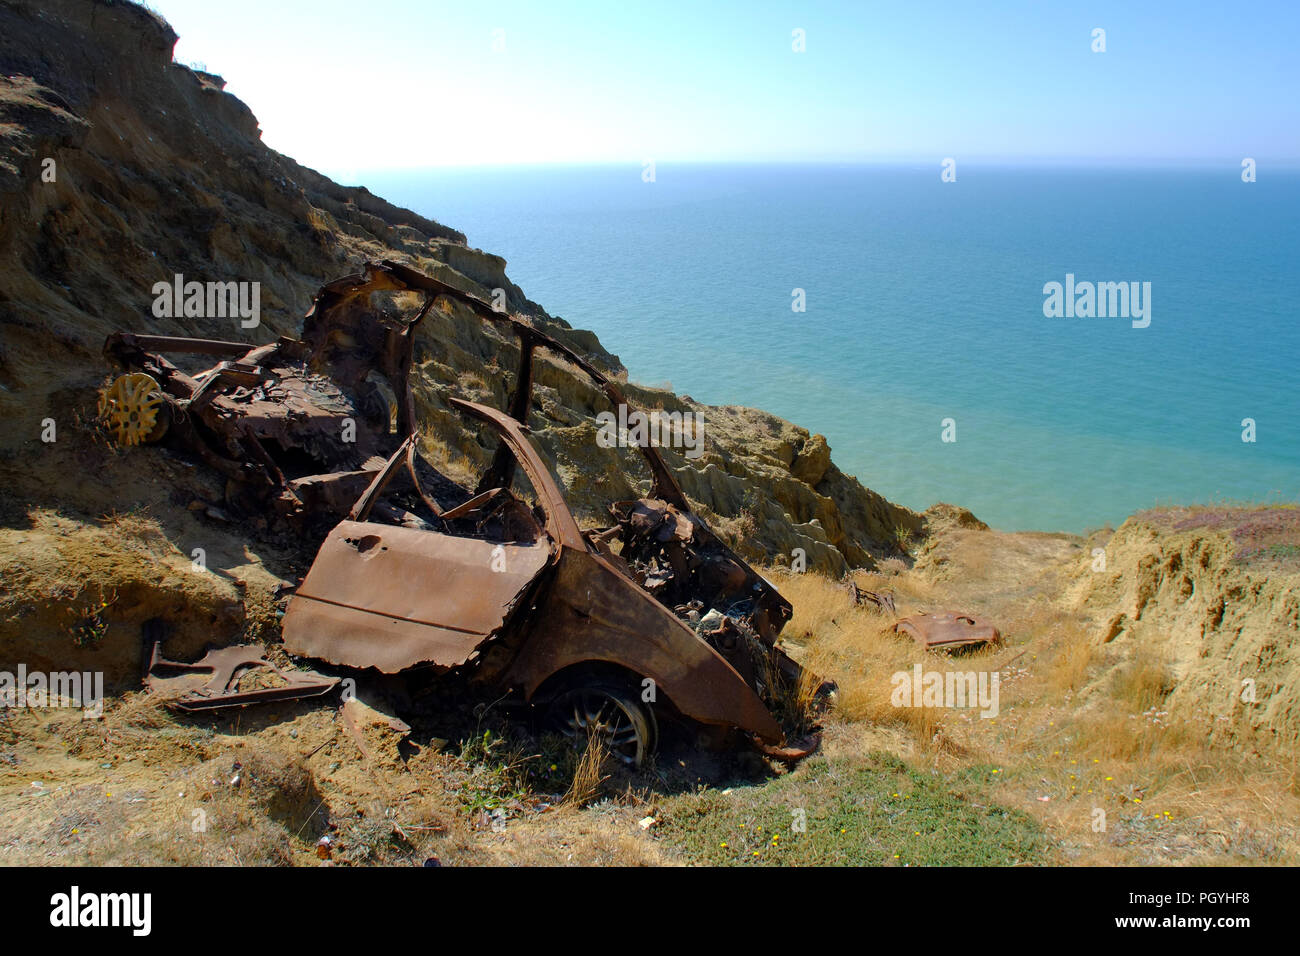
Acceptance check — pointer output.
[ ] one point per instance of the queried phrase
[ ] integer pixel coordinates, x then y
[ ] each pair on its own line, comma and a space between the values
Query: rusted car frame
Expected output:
610, 629
297, 427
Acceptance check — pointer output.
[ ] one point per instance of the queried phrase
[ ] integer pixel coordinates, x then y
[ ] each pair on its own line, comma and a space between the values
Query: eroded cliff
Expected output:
120, 168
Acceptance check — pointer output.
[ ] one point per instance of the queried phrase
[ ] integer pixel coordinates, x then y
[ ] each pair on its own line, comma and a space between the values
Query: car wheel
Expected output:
616, 715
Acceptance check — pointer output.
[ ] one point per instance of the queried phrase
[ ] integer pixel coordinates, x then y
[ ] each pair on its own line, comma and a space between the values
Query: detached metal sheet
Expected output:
390, 597
948, 629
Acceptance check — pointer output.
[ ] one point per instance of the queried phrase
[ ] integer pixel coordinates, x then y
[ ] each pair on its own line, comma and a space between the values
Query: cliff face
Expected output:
157, 171
1210, 596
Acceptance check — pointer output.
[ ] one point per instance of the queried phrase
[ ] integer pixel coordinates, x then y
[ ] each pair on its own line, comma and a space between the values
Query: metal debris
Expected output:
226, 666
948, 630
883, 601
614, 629
298, 426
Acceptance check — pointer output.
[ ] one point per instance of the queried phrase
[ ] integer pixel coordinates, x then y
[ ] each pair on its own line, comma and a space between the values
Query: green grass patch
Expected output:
870, 811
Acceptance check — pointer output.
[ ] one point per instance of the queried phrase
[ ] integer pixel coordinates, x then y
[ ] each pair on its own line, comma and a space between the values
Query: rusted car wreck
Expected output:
610, 630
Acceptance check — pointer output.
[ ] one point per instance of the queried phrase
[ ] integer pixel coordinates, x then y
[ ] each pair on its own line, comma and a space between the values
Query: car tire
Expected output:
615, 712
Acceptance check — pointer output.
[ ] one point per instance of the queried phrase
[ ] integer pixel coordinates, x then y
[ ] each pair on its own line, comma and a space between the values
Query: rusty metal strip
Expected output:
560, 522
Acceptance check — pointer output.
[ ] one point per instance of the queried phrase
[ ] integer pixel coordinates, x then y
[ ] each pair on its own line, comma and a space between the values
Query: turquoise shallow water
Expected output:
925, 302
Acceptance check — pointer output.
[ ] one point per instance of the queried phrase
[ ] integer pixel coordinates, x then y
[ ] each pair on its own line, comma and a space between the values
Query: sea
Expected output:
907, 315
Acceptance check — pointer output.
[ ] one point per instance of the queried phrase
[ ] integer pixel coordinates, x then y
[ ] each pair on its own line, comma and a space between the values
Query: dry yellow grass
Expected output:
450, 461
856, 647
1079, 733
589, 773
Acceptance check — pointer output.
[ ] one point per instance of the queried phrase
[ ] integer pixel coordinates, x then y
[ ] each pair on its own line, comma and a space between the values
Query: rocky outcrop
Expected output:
157, 170
1213, 596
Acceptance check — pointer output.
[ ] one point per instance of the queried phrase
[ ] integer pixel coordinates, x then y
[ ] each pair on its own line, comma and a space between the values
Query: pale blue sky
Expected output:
403, 83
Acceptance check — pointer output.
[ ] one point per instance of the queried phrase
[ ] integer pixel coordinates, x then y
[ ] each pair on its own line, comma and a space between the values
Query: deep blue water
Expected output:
925, 302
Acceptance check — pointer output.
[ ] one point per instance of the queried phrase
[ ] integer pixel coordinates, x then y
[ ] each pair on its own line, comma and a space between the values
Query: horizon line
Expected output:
1285, 164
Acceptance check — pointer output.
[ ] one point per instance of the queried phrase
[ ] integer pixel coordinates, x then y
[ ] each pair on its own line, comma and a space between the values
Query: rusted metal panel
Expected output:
177, 343
392, 597
224, 668
948, 629
592, 613
333, 493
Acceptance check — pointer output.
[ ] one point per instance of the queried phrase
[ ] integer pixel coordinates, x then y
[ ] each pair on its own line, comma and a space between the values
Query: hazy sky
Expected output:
404, 83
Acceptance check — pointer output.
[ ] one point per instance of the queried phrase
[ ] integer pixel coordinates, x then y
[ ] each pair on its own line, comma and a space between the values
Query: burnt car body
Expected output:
610, 629
297, 427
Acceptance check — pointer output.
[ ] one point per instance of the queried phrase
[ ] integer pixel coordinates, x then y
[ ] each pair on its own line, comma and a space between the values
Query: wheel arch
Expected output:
573, 675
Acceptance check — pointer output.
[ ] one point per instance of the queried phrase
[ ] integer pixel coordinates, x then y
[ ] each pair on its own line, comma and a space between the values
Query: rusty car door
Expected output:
391, 597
